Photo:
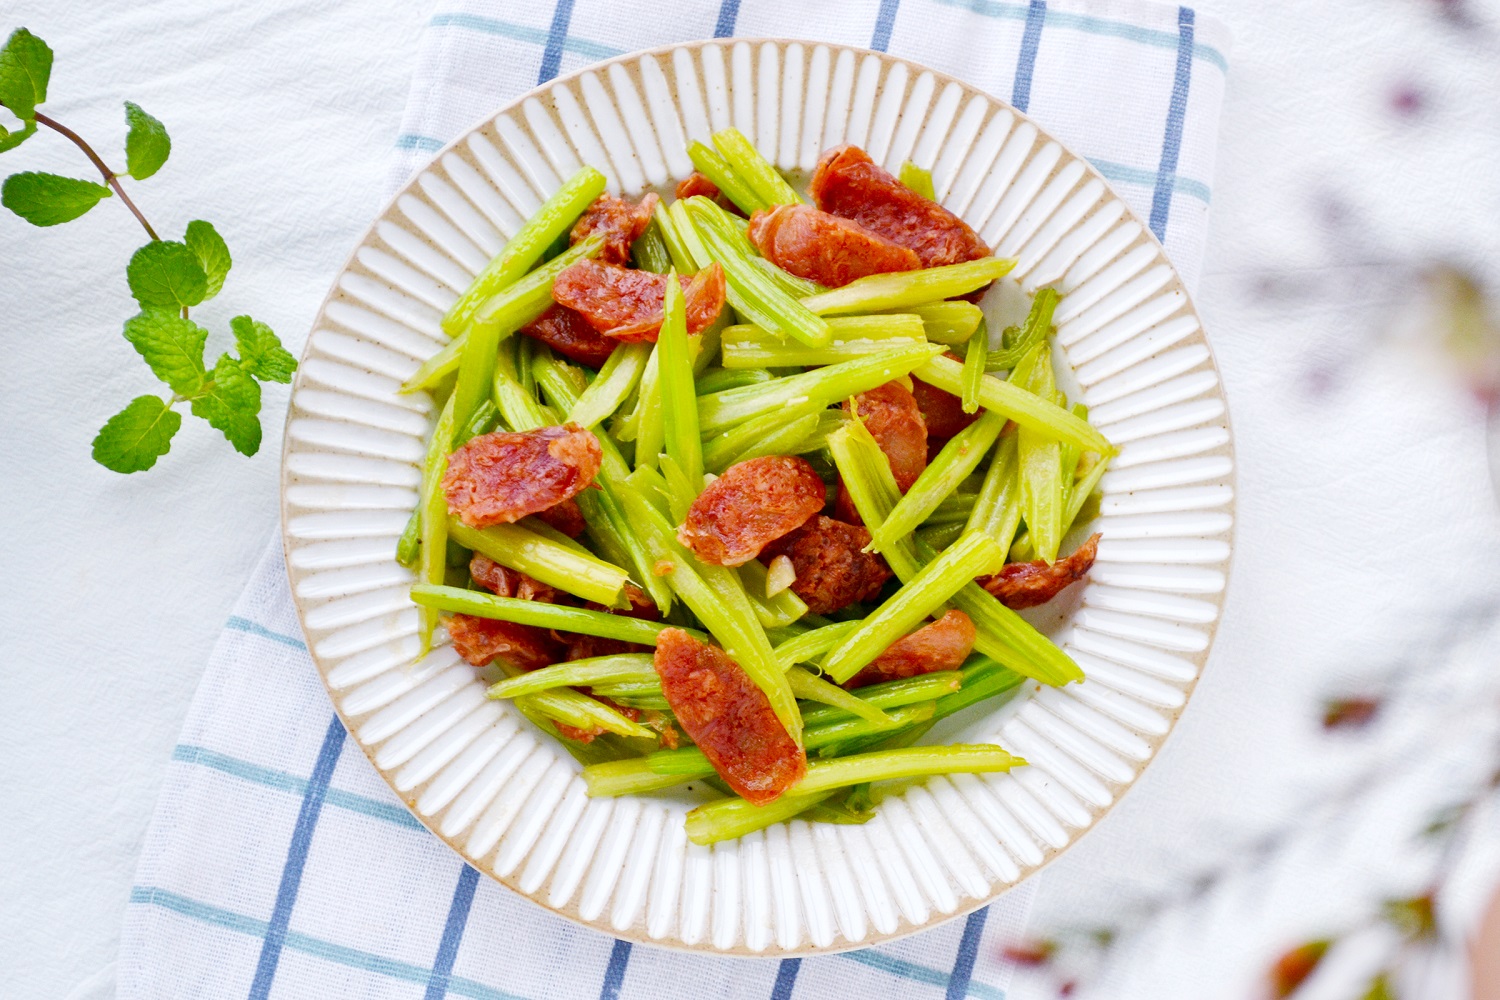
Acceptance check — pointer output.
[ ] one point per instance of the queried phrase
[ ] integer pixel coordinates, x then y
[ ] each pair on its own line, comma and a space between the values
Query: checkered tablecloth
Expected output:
279, 864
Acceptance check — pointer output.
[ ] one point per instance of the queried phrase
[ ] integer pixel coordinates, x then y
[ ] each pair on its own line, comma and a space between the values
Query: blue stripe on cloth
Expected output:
255, 628
453, 933
1091, 25
353, 958
1135, 175
786, 978
187, 753
968, 951
296, 859
614, 974
425, 143
729, 13
562, 16
521, 33
1031, 37
885, 20
1171, 143
917, 973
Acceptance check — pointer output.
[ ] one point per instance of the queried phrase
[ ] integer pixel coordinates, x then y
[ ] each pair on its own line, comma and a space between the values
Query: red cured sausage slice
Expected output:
620, 222
566, 517
729, 718
508, 582
891, 415
848, 183
626, 304
697, 184
569, 334
501, 477
823, 247
832, 571
480, 640
940, 645
942, 412
753, 503
1025, 585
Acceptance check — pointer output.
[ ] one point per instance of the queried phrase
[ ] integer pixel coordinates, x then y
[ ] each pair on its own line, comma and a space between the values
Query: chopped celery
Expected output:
719, 379
625, 777
726, 447
1031, 333
650, 251
1040, 461
589, 672
997, 512
909, 762
919, 179
959, 457
750, 346
677, 247
432, 559
892, 694
950, 323
734, 187
822, 386
552, 220
650, 432
888, 292
557, 616
939, 536
809, 646
679, 399
727, 819
810, 687
581, 574
617, 379
755, 295
484, 420
753, 169
970, 556
788, 439
1026, 409
574, 708
974, 355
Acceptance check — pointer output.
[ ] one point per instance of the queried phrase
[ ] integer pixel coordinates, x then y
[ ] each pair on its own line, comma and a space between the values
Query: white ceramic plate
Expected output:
509, 799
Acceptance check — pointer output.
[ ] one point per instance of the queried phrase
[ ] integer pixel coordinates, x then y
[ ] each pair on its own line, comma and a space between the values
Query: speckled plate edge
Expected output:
952, 845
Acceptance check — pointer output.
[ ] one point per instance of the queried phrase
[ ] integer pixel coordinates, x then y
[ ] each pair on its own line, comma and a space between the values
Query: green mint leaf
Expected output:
212, 253
146, 143
172, 346
166, 275
261, 353
25, 65
232, 404
47, 199
137, 436
10, 140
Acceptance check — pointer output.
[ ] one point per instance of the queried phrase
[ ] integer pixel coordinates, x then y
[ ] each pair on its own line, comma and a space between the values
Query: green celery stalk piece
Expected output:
1025, 408
908, 762
959, 457
791, 438
772, 612
821, 387
581, 574
951, 323
810, 687
1032, 332
1040, 461
972, 555
997, 512
753, 169
553, 219
905, 289
974, 358
734, 187
810, 646
558, 616
736, 442
618, 377
432, 559
679, 397
589, 672
919, 179
728, 819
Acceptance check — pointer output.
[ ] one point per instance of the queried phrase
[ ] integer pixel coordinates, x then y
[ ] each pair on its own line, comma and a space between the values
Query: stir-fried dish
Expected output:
739, 490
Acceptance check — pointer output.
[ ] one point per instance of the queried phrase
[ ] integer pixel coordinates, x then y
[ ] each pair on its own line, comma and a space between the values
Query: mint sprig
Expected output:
166, 277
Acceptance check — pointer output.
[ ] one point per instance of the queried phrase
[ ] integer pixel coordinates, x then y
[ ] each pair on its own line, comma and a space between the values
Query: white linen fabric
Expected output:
278, 863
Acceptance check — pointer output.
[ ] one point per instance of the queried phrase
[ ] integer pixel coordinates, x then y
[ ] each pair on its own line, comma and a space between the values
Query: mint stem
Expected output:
109, 175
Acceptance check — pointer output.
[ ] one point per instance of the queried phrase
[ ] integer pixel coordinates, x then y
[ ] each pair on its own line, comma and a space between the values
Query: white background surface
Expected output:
1359, 458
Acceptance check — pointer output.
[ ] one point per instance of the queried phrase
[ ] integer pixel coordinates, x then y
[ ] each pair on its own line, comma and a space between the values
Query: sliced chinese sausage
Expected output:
825, 248
941, 645
1025, 585
753, 503
569, 334
565, 516
508, 582
728, 717
891, 415
626, 304
501, 477
832, 569
697, 184
847, 183
942, 412
620, 222
480, 640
